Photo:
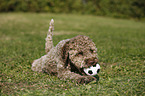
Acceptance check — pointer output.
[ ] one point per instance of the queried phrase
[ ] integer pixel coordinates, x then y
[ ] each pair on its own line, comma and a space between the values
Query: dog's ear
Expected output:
65, 54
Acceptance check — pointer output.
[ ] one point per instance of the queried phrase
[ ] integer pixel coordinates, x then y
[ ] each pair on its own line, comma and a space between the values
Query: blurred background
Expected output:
120, 43
111, 8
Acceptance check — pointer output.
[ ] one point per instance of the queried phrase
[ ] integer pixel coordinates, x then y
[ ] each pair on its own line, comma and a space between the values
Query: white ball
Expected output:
93, 70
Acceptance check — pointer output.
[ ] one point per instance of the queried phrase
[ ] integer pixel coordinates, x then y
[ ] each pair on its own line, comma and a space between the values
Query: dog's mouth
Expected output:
75, 69
84, 64
80, 70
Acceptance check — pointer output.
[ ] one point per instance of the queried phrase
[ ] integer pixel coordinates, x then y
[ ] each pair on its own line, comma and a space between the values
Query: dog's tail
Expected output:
49, 41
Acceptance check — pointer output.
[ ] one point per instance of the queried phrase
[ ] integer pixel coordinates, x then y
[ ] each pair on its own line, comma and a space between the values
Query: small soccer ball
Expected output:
93, 70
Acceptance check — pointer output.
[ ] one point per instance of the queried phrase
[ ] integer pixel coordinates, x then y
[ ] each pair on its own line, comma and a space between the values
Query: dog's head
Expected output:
79, 52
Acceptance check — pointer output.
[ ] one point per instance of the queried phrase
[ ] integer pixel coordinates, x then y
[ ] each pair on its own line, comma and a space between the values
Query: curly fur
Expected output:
68, 58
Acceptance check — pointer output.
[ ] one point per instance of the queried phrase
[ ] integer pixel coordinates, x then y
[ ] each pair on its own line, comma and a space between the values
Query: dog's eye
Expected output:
91, 50
80, 53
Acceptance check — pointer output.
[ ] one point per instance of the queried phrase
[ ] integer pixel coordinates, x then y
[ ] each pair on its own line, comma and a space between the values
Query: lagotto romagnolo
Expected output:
68, 58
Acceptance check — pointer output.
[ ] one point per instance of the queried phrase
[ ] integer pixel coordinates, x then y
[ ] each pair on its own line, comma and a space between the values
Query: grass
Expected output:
120, 44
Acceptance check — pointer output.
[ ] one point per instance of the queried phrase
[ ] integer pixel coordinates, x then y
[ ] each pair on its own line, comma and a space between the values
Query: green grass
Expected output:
121, 50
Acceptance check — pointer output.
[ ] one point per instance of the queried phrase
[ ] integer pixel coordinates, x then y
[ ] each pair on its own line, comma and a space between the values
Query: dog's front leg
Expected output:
66, 74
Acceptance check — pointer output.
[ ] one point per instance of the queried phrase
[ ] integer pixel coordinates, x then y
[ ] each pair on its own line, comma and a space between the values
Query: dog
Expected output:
68, 58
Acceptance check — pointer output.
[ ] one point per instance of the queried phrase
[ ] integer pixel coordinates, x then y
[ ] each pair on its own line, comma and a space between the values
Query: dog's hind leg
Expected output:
49, 41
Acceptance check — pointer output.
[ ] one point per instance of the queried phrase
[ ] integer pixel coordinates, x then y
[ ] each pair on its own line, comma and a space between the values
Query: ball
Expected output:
93, 70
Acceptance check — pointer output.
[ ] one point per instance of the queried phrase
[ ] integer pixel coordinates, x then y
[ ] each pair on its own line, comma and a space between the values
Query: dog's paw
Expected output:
85, 79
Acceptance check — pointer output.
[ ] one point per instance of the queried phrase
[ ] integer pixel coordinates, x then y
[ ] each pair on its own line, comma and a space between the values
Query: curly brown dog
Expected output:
68, 58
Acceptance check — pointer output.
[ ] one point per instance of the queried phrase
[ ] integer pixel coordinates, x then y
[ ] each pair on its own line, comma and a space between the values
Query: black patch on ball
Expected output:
98, 70
90, 72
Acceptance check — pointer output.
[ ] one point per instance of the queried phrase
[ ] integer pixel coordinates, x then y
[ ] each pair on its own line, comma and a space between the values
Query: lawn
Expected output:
121, 50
